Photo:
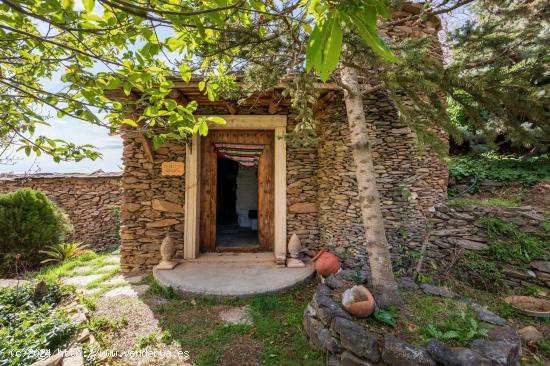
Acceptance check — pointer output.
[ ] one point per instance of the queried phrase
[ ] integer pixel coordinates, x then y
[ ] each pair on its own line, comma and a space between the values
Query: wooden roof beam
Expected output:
231, 106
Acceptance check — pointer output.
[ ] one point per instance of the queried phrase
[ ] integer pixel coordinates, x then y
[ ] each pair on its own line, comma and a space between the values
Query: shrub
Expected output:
29, 221
501, 168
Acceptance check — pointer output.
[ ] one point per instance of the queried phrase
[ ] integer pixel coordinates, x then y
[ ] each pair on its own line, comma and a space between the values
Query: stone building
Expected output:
191, 191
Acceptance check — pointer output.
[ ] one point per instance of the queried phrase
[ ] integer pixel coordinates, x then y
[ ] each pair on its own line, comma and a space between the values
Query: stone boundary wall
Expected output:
349, 342
457, 228
90, 200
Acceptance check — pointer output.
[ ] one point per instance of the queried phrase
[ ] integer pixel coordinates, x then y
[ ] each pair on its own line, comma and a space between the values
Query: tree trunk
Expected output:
383, 281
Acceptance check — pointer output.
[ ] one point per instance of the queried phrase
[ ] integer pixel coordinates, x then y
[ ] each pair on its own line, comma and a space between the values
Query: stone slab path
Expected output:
119, 298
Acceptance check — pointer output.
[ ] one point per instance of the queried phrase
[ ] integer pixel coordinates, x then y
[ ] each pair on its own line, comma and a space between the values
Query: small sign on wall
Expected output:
172, 168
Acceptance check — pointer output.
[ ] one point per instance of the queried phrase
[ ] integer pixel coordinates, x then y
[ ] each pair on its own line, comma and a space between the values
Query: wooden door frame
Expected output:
277, 123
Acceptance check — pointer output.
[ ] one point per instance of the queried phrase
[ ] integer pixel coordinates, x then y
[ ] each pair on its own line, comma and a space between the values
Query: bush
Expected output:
501, 168
32, 323
29, 221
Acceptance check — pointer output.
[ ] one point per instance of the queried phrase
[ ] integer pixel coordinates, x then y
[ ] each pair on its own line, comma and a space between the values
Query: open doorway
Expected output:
236, 205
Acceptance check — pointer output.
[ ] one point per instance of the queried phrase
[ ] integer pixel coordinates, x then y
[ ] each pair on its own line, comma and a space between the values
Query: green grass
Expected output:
275, 338
495, 201
64, 269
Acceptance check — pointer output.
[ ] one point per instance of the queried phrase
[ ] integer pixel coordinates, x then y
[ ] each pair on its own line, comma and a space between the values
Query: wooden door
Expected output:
209, 177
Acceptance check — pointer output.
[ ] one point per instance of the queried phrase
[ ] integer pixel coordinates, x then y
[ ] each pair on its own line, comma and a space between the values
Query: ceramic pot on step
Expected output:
326, 263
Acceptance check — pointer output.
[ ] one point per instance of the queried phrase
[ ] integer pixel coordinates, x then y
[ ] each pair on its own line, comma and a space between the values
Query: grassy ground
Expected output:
275, 338
162, 318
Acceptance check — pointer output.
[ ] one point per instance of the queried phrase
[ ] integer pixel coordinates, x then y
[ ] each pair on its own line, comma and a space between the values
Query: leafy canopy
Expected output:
61, 58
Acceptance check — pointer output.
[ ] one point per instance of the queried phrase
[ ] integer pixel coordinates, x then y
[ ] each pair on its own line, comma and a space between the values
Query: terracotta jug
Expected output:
358, 301
326, 263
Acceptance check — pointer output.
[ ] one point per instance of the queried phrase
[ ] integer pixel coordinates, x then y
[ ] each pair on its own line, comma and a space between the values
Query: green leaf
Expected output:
367, 33
217, 120
88, 5
185, 72
130, 122
325, 46
385, 317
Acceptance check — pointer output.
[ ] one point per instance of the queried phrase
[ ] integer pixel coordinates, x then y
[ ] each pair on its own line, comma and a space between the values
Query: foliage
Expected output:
500, 168
386, 316
29, 221
479, 271
150, 340
325, 42
495, 201
509, 244
462, 328
544, 346
100, 326
31, 320
503, 50
61, 252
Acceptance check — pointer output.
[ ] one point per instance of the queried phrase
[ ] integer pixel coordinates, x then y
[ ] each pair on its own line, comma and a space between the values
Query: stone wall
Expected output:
152, 204
351, 341
90, 200
409, 182
456, 229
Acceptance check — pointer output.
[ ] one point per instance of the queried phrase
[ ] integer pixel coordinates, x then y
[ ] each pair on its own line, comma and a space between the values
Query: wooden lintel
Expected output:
231, 106
147, 147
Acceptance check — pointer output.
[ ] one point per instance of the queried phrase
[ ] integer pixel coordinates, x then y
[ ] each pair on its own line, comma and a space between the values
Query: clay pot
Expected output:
358, 301
326, 263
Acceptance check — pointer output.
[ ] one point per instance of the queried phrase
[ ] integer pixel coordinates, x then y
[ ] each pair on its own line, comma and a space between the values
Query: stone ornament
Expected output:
358, 301
167, 252
294, 246
294, 263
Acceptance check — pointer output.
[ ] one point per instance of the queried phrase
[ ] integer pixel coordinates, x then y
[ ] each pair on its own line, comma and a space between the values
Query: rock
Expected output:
131, 291
468, 244
356, 339
504, 333
467, 357
311, 325
530, 334
54, 360
396, 352
238, 315
161, 223
166, 206
407, 283
80, 280
500, 352
334, 282
73, 357
326, 341
327, 309
12, 283
543, 266
489, 317
442, 353
334, 361
436, 290
349, 359
303, 207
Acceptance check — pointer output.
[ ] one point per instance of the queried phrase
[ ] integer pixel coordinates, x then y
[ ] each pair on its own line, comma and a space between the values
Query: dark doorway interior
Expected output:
237, 205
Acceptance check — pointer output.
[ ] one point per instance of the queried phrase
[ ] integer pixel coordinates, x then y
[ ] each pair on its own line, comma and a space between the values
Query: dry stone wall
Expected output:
456, 229
152, 204
90, 200
409, 182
